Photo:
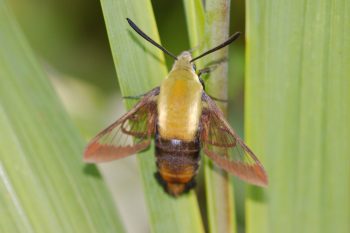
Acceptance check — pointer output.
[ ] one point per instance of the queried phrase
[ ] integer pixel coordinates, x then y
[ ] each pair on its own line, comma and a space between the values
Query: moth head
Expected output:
184, 62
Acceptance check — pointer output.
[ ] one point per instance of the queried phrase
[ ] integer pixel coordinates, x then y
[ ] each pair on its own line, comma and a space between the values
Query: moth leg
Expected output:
206, 71
154, 91
211, 66
134, 97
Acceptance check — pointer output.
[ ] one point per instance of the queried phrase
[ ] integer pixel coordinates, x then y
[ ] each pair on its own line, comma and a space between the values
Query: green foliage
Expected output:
297, 114
44, 185
141, 67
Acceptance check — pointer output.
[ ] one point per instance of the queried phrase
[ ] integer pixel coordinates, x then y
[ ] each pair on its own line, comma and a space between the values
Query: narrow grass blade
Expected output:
212, 29
141, 67
195, 19
44, 185
297, 114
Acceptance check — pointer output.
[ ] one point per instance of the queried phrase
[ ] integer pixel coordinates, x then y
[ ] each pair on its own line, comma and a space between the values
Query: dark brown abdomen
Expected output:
177, 163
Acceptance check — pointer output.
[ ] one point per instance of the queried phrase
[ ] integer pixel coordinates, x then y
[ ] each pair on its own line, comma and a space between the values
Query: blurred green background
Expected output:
296, 97
70, 40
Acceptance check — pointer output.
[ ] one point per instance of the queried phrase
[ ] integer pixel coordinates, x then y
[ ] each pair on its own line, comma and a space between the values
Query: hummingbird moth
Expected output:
183, 120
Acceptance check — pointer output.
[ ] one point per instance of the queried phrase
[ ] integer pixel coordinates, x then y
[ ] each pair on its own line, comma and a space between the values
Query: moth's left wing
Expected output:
226, 148
128, 135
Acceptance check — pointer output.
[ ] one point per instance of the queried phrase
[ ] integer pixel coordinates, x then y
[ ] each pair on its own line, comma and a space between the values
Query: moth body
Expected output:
179, 101
179, 111
177, 163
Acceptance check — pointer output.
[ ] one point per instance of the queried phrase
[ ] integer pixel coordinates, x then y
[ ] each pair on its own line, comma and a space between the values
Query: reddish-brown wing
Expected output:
128, 135
226, 148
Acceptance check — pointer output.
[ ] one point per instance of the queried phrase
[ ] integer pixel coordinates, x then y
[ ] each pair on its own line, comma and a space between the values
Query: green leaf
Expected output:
140, 67
208, 29
195, 19
297, 114
44, 185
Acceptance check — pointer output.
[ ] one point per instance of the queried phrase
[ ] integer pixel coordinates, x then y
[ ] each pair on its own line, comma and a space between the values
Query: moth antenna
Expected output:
220, 46
144, 36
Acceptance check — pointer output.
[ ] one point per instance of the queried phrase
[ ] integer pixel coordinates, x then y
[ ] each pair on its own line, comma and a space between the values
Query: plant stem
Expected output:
215, 18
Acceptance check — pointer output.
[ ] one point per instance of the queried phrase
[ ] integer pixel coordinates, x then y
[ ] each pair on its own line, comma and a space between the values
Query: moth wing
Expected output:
128, 135
221, 143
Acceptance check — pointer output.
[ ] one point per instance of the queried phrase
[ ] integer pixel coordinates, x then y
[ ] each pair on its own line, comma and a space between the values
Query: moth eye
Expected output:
194, 67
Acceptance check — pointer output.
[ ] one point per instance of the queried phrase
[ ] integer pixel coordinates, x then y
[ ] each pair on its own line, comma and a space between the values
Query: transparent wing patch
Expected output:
226, 148
128, 135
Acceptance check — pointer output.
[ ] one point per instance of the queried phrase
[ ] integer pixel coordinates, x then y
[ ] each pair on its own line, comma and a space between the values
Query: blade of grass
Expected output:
297, 114
195, 19
43, 187
212, 29
141, 67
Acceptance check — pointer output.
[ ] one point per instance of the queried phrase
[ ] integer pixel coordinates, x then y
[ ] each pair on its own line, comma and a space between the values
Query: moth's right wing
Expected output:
221, 143
128, 135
